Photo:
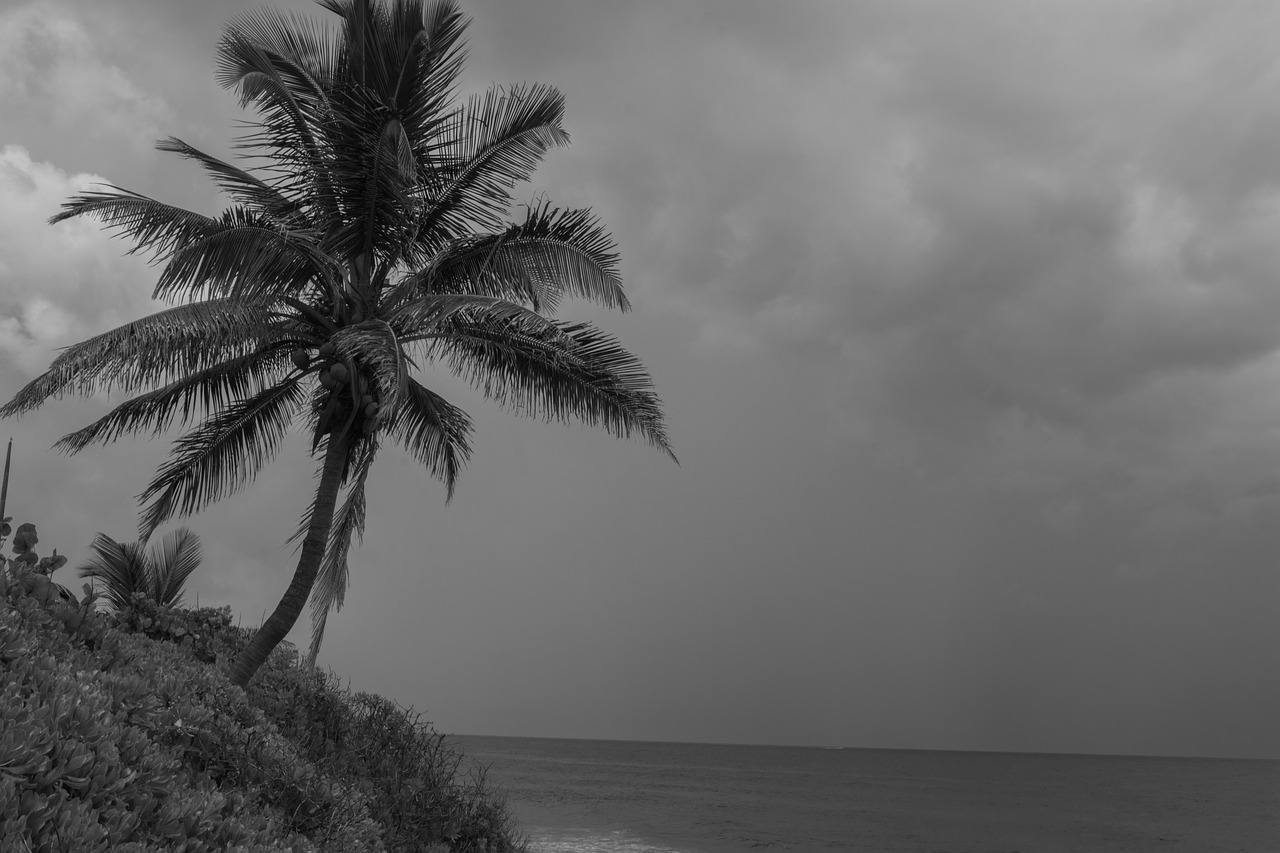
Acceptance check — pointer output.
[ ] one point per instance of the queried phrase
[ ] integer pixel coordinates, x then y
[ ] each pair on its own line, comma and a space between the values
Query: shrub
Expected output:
122, 732
83, 763
409, 777
205, 632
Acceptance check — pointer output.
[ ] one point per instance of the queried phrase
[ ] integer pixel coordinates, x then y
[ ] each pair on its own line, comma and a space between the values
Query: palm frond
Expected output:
407, 53
221, 455
330, 587
551, 253
429, 65
581, 373
302, 49
246, 256
433, 431
172, 562
157, 348
120, 567
376, 177
151, 225
395, 148
244, 187
281, 64
282, 70
497, 140
435, 314
194, 395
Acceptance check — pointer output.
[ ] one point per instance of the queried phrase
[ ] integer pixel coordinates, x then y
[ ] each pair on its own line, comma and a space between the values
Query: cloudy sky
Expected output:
967, 322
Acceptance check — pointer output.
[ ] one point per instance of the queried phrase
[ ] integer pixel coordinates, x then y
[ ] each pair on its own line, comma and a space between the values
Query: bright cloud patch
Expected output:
52, 73
62, 282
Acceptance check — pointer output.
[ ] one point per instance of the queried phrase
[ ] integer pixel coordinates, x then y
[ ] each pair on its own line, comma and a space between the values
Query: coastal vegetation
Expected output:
126, 568
367, 239
121, 730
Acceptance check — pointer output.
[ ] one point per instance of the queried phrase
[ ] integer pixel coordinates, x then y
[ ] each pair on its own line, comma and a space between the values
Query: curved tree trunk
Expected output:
304, 577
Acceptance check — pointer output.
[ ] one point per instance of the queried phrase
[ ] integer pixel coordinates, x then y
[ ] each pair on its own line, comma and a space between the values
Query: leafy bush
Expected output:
409, 777
204, 632
84, 762
122, 732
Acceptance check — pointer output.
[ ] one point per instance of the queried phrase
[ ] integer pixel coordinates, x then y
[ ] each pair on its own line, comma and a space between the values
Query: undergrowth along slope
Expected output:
122, 732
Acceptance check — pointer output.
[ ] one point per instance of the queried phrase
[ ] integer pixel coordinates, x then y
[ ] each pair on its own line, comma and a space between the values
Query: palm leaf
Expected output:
433, 431
497, 140
429, 66
149, 224
407, 57
290, 96
435, 315
281, 69
376, 180
162, 346
330, 587
245, 256
206, 391
401, 72
178, 555
301, 49
580, 374
221, 455
121, 568
242, 186
551, 253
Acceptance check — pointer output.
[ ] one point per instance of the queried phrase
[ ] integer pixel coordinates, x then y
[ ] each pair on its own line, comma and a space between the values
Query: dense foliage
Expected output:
123, 732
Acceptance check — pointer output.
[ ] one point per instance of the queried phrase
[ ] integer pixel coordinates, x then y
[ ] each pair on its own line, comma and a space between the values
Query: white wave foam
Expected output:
591, 841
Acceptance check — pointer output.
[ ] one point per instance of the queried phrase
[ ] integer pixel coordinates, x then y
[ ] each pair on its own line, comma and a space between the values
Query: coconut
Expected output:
328, 350
340, 373
370, 409
301, 358
327, 380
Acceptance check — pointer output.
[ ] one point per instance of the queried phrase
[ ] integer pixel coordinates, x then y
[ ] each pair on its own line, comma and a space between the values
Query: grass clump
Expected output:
122, 732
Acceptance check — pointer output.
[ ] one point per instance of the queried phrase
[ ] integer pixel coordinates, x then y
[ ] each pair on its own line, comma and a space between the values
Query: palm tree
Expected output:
365, 238
125, 568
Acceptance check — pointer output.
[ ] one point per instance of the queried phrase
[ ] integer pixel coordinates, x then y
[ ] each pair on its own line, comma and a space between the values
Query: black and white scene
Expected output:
681, 426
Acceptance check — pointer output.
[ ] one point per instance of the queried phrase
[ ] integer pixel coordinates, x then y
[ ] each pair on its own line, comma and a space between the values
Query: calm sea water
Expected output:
578, 796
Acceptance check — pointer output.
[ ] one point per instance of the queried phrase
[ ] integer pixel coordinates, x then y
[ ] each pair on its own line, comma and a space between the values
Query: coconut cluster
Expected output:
336, 376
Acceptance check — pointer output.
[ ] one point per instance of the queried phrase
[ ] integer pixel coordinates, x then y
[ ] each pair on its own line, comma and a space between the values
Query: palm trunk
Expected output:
304, 577
4, 489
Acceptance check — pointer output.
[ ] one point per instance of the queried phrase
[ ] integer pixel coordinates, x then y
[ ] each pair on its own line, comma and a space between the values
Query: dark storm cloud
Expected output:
1022, 218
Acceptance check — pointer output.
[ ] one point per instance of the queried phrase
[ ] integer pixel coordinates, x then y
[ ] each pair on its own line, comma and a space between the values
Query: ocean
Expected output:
582, 796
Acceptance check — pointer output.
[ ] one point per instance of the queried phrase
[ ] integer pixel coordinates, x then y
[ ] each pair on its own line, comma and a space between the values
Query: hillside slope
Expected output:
122, 732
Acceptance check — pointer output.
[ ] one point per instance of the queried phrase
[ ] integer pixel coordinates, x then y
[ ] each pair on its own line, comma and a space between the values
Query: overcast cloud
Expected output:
966, 317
